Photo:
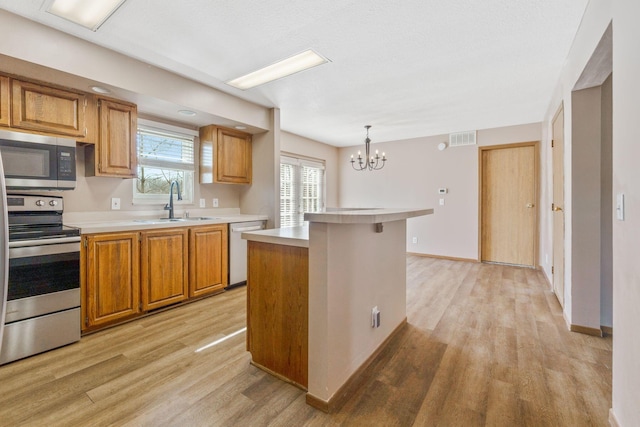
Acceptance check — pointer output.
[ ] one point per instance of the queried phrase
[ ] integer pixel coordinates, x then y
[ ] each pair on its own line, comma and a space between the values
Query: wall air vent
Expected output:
459, 139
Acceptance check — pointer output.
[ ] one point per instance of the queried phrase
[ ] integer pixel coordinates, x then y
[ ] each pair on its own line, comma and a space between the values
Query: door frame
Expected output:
555, 274
536, 168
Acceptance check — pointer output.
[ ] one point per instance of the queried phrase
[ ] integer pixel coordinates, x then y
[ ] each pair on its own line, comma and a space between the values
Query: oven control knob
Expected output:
39, 202
53, 203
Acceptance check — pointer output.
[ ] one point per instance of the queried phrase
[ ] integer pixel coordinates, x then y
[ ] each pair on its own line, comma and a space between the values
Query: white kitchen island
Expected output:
356, 261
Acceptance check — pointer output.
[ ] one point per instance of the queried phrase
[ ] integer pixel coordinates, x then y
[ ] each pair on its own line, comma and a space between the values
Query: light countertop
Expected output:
365, 216
133, 224
289, 236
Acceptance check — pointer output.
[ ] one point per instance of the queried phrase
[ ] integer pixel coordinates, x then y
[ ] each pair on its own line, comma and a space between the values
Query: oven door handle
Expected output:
44, 242
43, 250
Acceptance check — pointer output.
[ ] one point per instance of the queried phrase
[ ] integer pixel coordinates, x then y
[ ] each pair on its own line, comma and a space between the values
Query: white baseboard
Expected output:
613, 422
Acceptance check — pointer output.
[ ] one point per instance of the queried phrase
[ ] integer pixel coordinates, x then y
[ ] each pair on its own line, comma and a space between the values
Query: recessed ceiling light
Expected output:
89, 14
187, 113
240, 127
286, 67
100, 89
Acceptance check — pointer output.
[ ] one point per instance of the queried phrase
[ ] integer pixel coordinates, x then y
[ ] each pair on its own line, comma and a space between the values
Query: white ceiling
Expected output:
409, 68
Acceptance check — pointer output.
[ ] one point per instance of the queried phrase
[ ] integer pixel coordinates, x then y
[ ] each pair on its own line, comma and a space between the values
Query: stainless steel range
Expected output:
43, 293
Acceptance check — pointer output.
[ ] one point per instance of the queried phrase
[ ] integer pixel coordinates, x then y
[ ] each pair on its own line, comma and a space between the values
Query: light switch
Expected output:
202, 203
620, 206
441, 202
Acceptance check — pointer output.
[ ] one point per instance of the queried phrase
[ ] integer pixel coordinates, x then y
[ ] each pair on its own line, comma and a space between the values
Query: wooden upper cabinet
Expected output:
164, 267
118, 122
5, 101
207, 259
225, 156
39, 108
111, 278
114, 154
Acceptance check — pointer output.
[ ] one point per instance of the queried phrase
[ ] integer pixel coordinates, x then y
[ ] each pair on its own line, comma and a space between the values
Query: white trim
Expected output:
149, 124
613, 422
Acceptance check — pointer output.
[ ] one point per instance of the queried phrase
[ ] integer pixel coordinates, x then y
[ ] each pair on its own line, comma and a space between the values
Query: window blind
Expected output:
301, 189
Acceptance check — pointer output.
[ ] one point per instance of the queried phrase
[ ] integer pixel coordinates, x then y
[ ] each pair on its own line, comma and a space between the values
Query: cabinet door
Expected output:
112, 287
117, 139
233, 157
208, 259
5, 100
46, 109
164, 266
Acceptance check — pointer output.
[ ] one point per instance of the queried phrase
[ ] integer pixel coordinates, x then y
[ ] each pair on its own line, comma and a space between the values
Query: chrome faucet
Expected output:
169, 206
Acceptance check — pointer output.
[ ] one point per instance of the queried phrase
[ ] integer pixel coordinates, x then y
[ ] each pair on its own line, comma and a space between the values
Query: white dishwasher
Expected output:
238, 250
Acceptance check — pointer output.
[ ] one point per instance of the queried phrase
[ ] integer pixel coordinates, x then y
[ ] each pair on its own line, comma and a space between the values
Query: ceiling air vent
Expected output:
462, 138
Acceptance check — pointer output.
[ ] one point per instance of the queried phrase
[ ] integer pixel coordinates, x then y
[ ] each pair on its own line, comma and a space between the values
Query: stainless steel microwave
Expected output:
38, 161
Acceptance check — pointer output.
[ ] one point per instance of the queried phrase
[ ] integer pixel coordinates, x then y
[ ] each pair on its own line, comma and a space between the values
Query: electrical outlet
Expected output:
414, 240
441, 202
215, 203
115, 203
202, 203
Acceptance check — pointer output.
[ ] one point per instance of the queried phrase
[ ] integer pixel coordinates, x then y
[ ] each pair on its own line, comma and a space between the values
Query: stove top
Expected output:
34, 217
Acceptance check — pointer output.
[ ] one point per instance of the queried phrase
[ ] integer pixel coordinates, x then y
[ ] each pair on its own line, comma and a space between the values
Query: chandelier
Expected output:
369, 162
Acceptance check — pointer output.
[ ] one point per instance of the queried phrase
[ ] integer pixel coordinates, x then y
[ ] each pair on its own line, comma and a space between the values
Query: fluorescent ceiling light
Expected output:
89, 14
286, 67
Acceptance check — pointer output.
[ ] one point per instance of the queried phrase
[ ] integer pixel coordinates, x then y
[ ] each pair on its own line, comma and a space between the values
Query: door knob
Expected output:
530, 205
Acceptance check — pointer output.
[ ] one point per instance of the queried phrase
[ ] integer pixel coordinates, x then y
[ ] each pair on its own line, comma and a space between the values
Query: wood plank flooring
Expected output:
485, 345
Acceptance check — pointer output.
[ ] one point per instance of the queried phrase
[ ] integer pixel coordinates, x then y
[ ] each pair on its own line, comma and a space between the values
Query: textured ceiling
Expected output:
409, 68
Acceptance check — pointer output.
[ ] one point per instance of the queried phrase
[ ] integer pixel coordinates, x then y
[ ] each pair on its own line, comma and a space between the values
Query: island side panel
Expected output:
352, 269
277, 309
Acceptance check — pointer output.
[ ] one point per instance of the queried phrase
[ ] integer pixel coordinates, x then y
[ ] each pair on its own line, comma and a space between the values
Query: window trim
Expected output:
149, 199
299, 162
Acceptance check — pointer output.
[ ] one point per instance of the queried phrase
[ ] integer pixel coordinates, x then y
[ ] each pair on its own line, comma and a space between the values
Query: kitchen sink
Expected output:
201, 218
162, 220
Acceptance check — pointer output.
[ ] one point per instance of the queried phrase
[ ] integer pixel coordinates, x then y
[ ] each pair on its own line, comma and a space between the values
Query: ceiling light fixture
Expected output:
89, 14
369, 162
187, 113
100, 89
286, 67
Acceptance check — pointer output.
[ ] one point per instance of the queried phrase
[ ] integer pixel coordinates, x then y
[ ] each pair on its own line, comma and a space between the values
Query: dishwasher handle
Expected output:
250, 228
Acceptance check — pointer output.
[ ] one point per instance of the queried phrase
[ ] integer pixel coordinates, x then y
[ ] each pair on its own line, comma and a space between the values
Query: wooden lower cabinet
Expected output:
278, 309
208, 259
164, 267
112, 280
125, 275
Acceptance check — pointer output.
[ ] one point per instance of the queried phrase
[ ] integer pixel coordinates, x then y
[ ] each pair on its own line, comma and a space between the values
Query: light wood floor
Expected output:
484, 345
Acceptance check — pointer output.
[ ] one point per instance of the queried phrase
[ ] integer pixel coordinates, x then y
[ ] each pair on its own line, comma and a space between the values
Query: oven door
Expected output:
44, 278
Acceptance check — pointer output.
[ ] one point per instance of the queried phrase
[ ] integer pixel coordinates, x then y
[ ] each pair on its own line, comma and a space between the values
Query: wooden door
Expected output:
207, 259
508, 199
5, 101
164, 275
117, 144
557, 269
112, 286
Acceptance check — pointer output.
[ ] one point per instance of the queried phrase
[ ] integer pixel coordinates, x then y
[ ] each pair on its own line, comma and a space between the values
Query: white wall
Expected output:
411, 178
301, 146
594, 24
351, 270
626, 234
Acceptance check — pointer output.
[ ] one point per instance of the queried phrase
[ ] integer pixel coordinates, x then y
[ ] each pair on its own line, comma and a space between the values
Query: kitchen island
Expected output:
313, 294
